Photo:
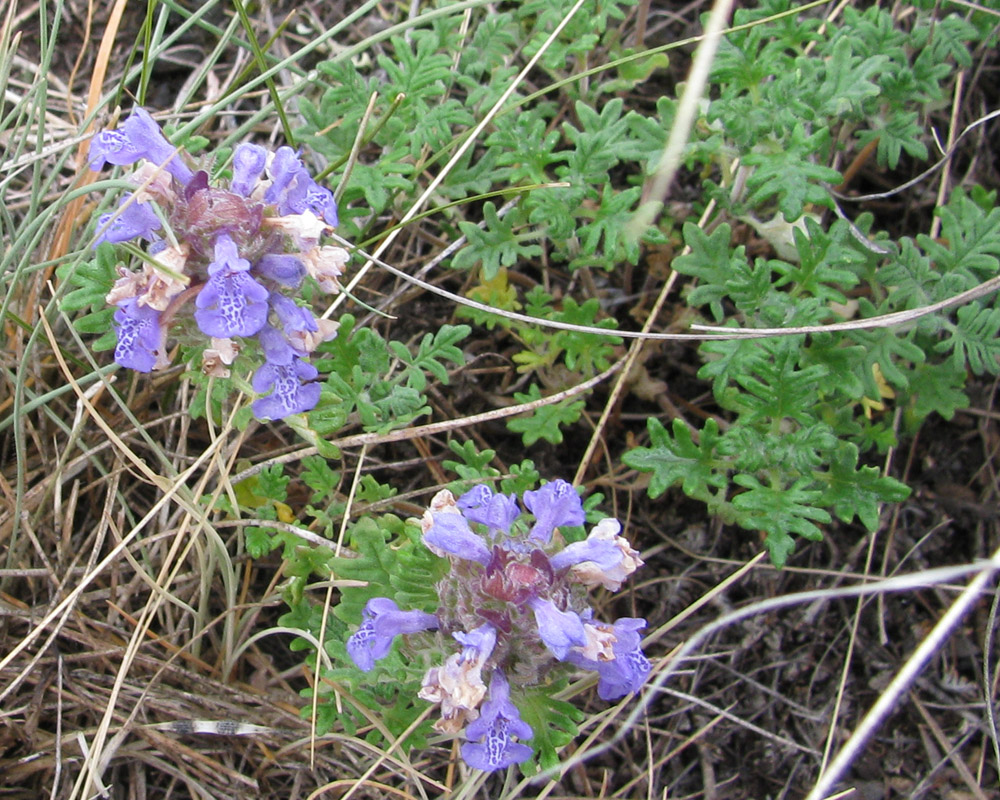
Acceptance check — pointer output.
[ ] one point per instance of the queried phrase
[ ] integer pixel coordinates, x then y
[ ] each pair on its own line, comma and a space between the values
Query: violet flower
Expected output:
490, 746
515, 599
382, 622
451, 535
136, 220
291, 392
625, 668
605, 554
560, 630
234, 249
293, 318
286, 376
140, 137
248, 164
282, 268
458, 684
496, 511
605, 558
139, 336
294, 191
231, 303
555, 504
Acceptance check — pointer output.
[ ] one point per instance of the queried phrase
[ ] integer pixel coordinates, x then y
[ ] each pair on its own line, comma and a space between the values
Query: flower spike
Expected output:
514, 598
235, 249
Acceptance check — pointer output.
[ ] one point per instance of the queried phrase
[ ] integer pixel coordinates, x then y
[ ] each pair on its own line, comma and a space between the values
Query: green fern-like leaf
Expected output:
553, 722
974, 341
545, 422
970, 240
854, 491
599, 144
778, 388
780, 510
677, 458
712, 262
791, 173
497, 245
474, 465
434, 349
936, 388
379, 544
900, 132
92, 281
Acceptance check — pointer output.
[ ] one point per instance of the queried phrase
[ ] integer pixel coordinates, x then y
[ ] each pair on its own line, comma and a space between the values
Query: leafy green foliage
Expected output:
391, 561
387, 560
427, 101
788, 173
677, 458
92, 281
784, 108
789, 101
474, 466
858, 492
584, 353
554, 723
545, 421
497, 245
801, 407
434, 349
361, 381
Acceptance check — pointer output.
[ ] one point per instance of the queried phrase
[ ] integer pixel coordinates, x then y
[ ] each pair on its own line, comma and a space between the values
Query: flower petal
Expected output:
231, 303
555, 504
140, 336
290, 395
496, 511
283, 169
139, 137
293, 317
606, 555
458, 683
382, 622
320, 200
276, 350
559, 630
628, 668
288, 270
490, 747
248, 164
451, 535
133, 221
612, 572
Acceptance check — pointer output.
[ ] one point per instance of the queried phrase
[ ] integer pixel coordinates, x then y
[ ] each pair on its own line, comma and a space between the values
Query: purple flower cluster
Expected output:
515, 600
235, 250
